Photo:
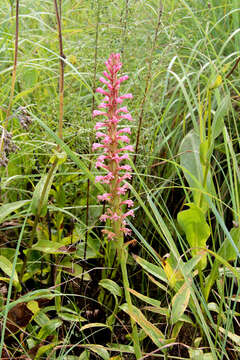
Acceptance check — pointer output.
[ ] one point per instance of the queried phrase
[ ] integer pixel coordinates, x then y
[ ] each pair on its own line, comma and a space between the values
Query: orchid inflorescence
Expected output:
114, 153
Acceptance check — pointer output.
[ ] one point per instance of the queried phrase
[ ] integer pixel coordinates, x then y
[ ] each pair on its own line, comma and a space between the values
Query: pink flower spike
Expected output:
127, 116
111, 235
129, 213
125, 167
102, 91
122, 109
126, 231
104, 81
106, 74
119, 100
99, 178
103, 217
101, 165
127, 148
124, 138
107, 178
96, 146
124, 157
115, 217
113, 153
97, 112
129, 203
110, 87
126, 96
104, 197
100, 134
124, 177
122, 190
102, 158
123, 78
124, 130
103, 105
107, 139
113, 120
99, 125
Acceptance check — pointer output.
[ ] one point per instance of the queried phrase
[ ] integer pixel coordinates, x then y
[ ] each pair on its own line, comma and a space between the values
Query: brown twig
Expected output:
233, 68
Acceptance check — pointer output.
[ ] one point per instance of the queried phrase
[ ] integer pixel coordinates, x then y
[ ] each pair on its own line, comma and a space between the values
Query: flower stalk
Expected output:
114, 143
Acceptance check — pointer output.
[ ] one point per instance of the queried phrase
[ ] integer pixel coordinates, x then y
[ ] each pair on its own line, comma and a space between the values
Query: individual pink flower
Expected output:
129, 203
104, 217
105, 197
110, 138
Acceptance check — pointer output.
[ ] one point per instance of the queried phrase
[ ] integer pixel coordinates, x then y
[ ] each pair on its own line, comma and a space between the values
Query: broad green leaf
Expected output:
176, 329
226, 250
6, 267
49, 328
50, 247
170, 266
193, 169
33, 306
180, 302
100, 350
191, 264
122, 348
196, 354
158, 310
93, 325
145, 298
158, 284
151, 330
197, 230
204, 152
40, 200
151, 268
9, 253
43, 349
93, 247
84, 355
41, 318
214, 274
222, 110
42, 232
235, 338
71, 317
7, 209
74, 269
212, 306
57, 282
111, 286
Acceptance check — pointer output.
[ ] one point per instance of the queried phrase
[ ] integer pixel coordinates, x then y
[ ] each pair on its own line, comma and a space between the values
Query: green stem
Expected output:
123, 260
207, 166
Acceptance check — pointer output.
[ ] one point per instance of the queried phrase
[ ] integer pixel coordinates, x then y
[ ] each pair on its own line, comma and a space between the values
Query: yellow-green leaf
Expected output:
151, 330
180, 302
